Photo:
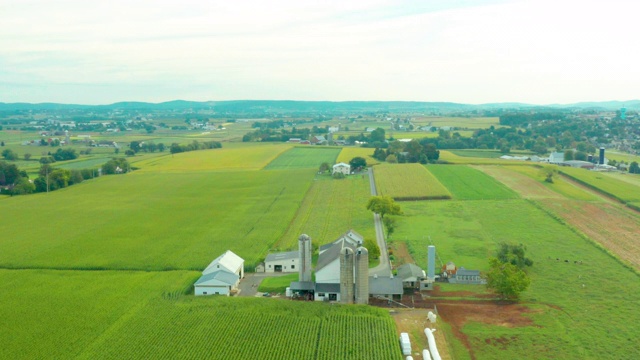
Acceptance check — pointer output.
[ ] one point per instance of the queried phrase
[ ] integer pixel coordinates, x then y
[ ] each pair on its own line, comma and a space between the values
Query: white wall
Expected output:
286, 265
329, 274
211, 290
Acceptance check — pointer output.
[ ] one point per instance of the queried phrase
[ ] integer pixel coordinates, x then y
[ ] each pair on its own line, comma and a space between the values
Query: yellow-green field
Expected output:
408, 182
349, 153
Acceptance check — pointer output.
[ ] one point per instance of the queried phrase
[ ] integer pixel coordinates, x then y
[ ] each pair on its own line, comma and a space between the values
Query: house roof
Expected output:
385, 285
410, 272
332, 252
464, 272
328, 288
289, 255
219, 277
341, 164
227, 261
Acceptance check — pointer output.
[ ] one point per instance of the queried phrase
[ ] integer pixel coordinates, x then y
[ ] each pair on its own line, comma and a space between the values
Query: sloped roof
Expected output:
464, 272
220, 277
332, 253
328, 288
290, 255
385, 285
227, 261
409, 272
341, 164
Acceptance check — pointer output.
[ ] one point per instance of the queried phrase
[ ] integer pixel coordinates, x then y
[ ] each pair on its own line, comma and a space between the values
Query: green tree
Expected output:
377, 135
324, 167
514, 255
507, 280
27, 156
373, 248
568, 155
358, 163
580, 155
549, 173
135, 146
161, 147
391, 159
9, 154
390, 225
634, 168
383, 205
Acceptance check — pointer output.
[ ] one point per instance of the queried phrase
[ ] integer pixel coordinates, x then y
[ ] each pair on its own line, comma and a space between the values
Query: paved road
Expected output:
384, 269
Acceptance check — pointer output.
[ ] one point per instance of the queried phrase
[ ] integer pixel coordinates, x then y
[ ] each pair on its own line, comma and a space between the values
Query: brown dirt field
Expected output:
436, 292
615, 228
525, 186
401, 253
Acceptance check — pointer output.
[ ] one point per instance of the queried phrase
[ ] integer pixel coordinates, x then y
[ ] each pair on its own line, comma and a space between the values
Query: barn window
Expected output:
269, 266
321, 294
204, 293
293, 266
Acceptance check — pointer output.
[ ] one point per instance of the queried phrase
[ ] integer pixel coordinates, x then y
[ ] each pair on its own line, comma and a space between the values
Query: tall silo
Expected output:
431, 262
304, 252
601, 160
362, 276
346, 276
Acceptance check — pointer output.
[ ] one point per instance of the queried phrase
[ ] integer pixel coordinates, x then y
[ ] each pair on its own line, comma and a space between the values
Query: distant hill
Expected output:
267, 106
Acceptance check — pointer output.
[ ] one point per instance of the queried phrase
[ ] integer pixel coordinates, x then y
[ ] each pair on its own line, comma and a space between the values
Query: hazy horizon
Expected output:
539, 52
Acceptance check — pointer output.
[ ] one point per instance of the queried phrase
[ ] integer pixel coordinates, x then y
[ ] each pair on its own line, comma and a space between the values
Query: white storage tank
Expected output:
405, 344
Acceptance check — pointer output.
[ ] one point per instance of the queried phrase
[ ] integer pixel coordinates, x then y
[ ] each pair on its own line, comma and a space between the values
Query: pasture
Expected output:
408, 182
565, 299
150, 220
349, 153
466, 183
248, 328
621, 190
459, 122
304, 157
329, 209
472, 159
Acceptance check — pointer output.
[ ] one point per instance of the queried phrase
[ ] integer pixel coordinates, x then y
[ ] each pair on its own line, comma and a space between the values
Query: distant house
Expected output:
305, 142
228, 261
449, 270
556, 157
411, 274
464, 276
318, 140
295, 140
341, 168
219, 282
282, 262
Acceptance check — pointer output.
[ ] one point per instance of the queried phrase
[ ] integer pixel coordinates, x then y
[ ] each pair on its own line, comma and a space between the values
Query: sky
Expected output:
531, 51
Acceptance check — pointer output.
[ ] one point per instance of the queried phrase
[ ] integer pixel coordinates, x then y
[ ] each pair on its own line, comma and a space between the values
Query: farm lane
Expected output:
384, 269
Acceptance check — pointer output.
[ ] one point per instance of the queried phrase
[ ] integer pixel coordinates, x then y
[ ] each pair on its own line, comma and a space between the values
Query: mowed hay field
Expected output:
567, 301
408, 182
466, 183
621, 190
249, 328
304, 157
152, 220
330, 208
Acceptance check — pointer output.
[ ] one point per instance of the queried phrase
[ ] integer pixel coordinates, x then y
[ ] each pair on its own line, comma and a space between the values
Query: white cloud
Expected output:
537, 51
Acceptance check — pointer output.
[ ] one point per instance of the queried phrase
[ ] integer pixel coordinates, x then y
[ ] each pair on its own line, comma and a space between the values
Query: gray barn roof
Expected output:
410, 272
220, 277
328, 288
301, 285
464, 272
385, 286
332, 253
290, 255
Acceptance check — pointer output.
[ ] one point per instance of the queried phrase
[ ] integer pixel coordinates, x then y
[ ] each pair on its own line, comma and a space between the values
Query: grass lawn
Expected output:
408, 182
618, 189
304, 157
277, 284
466, 183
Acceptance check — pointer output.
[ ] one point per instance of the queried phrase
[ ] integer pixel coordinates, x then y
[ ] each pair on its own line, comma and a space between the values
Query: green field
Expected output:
567, 315
304, 157
50, 314
621, 190
152, 220
408, 182
466, 183
330, 208
349, 153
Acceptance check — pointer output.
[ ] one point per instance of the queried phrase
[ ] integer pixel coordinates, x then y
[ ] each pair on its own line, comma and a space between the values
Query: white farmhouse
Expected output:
341, 168
282, 262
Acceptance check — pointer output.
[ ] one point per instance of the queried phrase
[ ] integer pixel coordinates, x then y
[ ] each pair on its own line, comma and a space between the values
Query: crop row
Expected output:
408, 182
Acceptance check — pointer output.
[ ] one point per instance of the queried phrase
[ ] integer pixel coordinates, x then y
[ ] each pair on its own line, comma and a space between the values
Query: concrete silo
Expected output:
601, 159
346, 276
304, 252
362, 275
431, 262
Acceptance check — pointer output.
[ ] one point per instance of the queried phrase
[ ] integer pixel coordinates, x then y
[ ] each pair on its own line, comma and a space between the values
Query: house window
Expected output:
269, 266
293, 266
204, 293
321, 294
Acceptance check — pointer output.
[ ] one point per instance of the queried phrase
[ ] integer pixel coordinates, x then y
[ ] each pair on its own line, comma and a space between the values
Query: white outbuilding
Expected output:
228, 261
342, 168
282, 262
219, 282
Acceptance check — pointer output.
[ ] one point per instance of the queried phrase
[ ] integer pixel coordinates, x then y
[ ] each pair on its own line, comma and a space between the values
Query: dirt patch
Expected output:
525, 186
413, 322
615, 228
401, 254
436, 292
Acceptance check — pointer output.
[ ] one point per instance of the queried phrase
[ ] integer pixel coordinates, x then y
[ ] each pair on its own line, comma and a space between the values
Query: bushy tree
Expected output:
358, 163
507, 280
324, 167
390, 225
372, 247
514, 255
9, 154
634, 168
383, 205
